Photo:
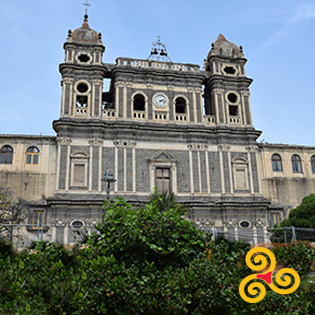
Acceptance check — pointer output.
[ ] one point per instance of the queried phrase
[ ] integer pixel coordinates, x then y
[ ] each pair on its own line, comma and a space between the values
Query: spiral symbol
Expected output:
266, 276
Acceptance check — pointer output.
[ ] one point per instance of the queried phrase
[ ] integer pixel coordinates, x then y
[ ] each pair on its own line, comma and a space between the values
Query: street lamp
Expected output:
108, 178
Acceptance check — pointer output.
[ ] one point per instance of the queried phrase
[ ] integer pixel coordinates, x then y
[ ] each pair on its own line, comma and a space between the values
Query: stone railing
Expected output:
109, 113
156, 64
208, 119
234, 120
181, 117
81, 111
160, 116
139, 114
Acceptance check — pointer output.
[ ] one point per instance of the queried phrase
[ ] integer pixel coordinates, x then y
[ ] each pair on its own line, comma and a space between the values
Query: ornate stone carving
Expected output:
260, 223
66, 221
64, 141
245, 93
198, 147
223, 147
252, 148
95, 142
229, 222
125, 143
217, 91
203, 223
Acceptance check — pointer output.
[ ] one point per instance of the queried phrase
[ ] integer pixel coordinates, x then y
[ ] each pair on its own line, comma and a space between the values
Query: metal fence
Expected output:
24, 235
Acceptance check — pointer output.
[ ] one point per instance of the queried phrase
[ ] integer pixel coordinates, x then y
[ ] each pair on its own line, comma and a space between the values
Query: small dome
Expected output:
222, 47
84, 33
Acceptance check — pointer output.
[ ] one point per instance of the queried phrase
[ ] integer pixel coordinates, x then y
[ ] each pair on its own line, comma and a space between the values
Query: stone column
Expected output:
222, 147
95, 143
251, 149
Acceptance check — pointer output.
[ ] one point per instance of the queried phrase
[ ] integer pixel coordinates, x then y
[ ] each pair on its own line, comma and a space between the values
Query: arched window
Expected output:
180, 106
296, 164
6, 155
313, 163
31, 156
276, 163
139, 102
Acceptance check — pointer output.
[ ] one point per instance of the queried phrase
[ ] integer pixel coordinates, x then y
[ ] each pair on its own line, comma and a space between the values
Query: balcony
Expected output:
234, 120
209, 119
181, 117
139, 114
109, 113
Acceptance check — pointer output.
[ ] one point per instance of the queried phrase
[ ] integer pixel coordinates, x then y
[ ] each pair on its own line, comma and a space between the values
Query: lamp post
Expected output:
108, 178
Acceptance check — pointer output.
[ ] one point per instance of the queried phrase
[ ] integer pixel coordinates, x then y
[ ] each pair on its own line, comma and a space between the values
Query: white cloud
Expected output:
302, 12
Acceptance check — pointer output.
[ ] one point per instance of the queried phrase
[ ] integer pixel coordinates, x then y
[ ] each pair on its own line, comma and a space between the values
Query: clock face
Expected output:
160, 100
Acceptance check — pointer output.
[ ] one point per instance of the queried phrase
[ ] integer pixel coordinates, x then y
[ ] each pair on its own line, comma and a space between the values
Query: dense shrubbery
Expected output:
303, 215
142, 262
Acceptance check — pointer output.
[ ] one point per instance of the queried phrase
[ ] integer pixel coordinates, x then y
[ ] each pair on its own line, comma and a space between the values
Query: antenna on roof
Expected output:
86, 3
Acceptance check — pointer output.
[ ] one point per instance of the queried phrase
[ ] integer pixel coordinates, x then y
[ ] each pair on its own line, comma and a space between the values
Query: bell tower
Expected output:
227, 87
82, 73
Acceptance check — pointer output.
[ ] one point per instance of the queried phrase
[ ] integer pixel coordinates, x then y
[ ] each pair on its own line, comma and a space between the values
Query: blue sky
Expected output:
277, 37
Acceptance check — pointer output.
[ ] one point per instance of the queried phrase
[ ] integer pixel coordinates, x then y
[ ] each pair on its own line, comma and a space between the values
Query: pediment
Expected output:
162, 156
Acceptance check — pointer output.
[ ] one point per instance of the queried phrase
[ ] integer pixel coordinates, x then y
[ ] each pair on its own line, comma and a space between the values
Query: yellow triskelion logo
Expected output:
267, 276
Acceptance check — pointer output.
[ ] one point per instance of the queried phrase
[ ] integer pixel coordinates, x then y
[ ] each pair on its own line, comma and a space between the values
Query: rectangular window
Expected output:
163, 179
28, 158
2, 158
38, 219
35, 159
275, 219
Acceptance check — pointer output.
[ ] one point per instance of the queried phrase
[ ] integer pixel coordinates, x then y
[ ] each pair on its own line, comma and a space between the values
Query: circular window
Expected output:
82, 87
229, 70
77, 224
84, 58
232, 97
244, 224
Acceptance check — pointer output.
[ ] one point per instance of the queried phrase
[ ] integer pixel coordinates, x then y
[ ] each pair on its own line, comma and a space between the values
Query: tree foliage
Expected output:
303, 215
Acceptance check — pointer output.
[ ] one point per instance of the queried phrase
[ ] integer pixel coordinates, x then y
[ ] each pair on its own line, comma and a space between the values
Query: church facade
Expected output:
161, 124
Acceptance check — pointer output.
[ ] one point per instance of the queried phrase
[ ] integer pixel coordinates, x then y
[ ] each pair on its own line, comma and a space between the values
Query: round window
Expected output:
232, 97
244, 224
77, 224
82, 87
84, 58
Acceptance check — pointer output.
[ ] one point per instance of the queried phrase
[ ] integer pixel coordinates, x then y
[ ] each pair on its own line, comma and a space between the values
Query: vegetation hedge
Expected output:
143, 261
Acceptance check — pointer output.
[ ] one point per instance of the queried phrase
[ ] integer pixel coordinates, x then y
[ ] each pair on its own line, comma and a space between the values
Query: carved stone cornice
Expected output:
223, 147
118, 84
96, 142
230, 222
66, 221
67, 80
217, 90
64, 141
245, 93
97, 81
125, 143
203, 223
260, 223
198, 146
252, 148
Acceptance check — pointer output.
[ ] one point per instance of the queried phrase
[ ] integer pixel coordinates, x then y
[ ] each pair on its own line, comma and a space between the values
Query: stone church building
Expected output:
160, 124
